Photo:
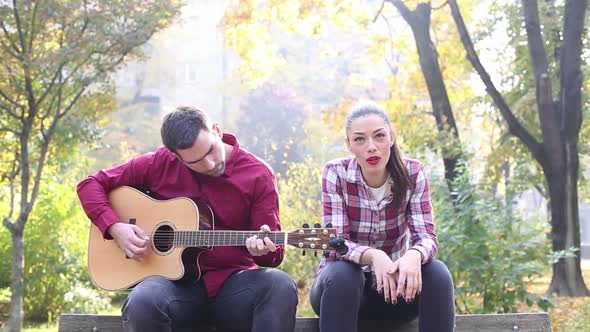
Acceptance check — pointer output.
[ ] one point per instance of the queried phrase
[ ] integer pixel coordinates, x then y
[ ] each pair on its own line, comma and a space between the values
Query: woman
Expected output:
380, 204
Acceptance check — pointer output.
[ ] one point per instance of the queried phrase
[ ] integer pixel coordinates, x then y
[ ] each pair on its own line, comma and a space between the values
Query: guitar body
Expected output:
108, 265
178, 232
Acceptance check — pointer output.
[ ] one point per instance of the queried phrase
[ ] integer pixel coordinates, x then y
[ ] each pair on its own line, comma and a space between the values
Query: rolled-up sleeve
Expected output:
420, 218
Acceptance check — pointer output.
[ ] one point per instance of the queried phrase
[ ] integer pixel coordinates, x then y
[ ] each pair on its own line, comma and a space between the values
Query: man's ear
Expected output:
217, 129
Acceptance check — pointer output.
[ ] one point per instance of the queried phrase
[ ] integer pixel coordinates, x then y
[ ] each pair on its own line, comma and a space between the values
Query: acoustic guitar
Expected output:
173, 226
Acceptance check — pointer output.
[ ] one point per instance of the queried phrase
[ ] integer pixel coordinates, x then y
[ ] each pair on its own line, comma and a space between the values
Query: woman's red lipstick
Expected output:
373, 160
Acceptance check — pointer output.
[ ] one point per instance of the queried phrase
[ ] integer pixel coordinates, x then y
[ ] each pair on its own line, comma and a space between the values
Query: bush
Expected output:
56, 240
301, 202
490, 251
83, 299
4, 304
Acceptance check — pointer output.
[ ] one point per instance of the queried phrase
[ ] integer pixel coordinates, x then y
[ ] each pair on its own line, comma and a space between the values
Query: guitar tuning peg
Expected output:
317, 225
303, 253
306, 225
329, 225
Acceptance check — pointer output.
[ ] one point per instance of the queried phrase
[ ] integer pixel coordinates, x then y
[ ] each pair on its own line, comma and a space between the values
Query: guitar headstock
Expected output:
312, 238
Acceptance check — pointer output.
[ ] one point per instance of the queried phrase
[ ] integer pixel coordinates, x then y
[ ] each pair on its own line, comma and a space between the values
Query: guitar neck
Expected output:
222, 238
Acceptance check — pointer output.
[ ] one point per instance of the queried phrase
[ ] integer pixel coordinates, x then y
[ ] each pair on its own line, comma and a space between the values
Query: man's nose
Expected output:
210, 163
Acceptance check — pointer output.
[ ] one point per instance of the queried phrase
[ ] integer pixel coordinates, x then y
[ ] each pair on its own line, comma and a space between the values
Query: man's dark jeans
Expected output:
264, 299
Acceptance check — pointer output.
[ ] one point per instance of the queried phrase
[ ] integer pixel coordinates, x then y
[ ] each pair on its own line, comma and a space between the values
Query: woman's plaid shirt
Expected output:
364, 223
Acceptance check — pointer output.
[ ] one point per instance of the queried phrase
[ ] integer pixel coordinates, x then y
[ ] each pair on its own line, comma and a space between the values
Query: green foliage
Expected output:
491, 253
4, 301
55, 276
55, 84
301, 202
5, 256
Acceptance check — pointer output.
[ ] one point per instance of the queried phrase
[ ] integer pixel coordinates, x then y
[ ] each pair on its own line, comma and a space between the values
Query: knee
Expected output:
340, 285
436, 275
144, 299
343, 277
281, 284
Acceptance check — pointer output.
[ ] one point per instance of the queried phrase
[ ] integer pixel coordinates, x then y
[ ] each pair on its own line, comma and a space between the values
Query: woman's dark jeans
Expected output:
342, 294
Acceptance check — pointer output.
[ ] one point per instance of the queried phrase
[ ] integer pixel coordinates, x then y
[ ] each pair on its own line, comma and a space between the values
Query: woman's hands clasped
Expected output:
402, 278
409, 275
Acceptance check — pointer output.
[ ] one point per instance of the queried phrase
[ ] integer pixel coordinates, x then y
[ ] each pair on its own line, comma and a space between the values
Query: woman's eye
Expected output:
359, 139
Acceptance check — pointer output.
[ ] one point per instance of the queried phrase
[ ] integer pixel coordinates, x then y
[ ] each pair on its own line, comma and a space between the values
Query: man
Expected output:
200, 162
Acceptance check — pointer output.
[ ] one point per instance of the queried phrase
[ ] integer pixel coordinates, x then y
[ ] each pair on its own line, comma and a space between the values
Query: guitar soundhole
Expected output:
163, 239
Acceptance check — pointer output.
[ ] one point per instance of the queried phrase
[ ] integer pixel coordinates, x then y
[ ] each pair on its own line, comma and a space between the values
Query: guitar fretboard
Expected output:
222, 238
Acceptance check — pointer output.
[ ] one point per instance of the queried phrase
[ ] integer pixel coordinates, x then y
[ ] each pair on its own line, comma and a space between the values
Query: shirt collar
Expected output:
230, 160
354, 174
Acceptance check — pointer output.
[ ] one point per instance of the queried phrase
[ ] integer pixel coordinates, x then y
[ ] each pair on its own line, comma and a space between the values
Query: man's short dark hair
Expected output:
182, 126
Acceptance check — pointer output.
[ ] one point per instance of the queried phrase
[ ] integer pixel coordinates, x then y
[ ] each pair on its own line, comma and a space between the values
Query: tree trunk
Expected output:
15, 320
557, 153
419, 22
567, 277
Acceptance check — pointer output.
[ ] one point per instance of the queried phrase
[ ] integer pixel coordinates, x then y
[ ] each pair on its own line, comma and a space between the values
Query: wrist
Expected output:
420, 252
374, 254
113, 230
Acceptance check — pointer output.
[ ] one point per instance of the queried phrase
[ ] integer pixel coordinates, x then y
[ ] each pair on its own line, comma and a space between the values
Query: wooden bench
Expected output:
521, 322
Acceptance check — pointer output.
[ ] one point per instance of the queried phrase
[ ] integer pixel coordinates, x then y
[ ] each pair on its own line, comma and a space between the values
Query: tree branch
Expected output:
19, 28
52, 83
441, 5
39, 171
8, 130
63, 63
535, 40
10, 100
403, 9
7, 34
9, 50
13, 173
391, 66
10, 112
548, 116
32, 27
570, 99
379, 11
555, 34
514, 125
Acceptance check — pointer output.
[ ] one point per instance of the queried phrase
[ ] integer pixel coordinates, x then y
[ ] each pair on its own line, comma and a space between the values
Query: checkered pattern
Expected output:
364, 223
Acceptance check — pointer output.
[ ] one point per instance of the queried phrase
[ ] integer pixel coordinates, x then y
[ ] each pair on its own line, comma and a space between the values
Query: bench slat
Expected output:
521, 322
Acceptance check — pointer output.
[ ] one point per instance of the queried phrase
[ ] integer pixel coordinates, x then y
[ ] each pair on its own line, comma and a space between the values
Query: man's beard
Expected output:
218, 170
